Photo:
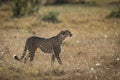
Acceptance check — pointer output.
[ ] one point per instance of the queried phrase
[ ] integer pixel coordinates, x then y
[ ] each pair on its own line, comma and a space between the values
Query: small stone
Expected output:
92, 69
97, 64
118, 59
2, 52
105, 36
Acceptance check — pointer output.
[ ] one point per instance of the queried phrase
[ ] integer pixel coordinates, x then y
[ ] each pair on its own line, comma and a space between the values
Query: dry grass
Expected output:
91, 54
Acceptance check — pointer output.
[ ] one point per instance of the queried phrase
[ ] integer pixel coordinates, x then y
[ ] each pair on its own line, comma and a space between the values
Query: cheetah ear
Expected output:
63, 32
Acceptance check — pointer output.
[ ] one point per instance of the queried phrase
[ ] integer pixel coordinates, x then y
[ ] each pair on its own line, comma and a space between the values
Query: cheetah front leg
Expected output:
58, 59
57, 51
52, 59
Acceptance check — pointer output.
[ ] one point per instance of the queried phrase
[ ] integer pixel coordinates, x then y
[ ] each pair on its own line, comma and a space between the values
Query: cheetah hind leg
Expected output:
26, 58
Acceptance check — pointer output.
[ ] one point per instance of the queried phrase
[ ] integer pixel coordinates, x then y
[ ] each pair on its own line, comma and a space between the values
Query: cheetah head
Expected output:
67, 33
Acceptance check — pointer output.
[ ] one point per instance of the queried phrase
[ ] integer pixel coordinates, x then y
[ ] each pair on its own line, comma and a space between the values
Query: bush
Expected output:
52, 16
115, 14
24, 7
18, 8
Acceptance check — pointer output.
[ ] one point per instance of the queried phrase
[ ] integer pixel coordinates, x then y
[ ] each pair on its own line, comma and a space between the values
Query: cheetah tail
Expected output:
16, 57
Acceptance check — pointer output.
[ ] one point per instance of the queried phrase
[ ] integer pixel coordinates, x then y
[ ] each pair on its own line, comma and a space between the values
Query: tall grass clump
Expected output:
24, 7
114, 14
52, 16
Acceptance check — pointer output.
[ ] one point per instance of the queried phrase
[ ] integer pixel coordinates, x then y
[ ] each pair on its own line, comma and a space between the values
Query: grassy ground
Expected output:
93, 53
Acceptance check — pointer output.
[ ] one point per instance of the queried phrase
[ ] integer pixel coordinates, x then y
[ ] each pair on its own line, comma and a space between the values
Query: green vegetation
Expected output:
52, 16
24, 7
115, 14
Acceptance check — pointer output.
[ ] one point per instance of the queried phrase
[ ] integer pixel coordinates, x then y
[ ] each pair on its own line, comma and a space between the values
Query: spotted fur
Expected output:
51, 45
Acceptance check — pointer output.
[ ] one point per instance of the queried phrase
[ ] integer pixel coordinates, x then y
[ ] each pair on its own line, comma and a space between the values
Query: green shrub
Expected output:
24, 7
18, 8
115, 14
52, 16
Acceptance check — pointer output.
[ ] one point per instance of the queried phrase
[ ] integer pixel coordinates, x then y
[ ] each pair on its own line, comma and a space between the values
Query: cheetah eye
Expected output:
71, 35
63, 32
